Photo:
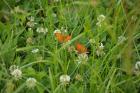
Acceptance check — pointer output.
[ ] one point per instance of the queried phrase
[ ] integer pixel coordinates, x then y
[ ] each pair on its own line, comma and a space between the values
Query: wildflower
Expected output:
35, 50
65, 79
31, 82
42, 30
82, 58
121, 39
100, 19
81, 48
99, 50
92, 41
78, 77
137, 65
15, 72
29, 40
31, 23
17, 9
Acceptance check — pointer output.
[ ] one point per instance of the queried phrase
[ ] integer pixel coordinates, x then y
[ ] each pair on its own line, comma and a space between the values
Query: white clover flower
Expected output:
15, 72
64, 79
101, 18
101, 46
92, 41
35, 50
82, 58
100, 49
31, 82
31, 23
13, 67
137, 65
121, 39
57, 31
17, 9
42, 30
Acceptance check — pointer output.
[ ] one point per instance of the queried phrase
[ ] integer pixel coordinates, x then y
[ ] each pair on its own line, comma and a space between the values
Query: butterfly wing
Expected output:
67, 38
81, 48
59, 37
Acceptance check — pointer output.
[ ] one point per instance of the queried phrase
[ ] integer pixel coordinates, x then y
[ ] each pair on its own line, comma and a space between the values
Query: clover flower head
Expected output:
101, 18
121, 39
42, 30
65, 79
100, 50
137, 65
82, 58
15, 72
31, 82
35, 50
31, 23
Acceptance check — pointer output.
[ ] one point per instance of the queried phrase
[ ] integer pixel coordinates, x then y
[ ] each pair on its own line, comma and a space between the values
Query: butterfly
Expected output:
62, 38
81, 48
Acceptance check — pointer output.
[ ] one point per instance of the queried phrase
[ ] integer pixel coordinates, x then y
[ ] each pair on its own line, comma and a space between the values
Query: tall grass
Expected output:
111, 72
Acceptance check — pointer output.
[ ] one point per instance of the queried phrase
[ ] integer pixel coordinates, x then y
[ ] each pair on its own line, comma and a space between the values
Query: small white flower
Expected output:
92, 41
57, 31
101, 18
121, 39
35, 50
42, 30
64, 79
31, 23
31, 82
13, 67
100, 49
137, 65
82, 58
15, 72
101, 46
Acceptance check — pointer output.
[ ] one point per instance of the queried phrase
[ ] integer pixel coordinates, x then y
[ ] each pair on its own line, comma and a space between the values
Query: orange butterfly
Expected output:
62, 38
81, 48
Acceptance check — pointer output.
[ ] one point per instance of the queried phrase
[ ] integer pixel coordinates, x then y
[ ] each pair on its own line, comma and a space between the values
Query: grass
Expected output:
112, 71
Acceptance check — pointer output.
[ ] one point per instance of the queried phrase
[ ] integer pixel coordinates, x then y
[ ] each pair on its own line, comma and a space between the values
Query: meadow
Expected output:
69, 46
